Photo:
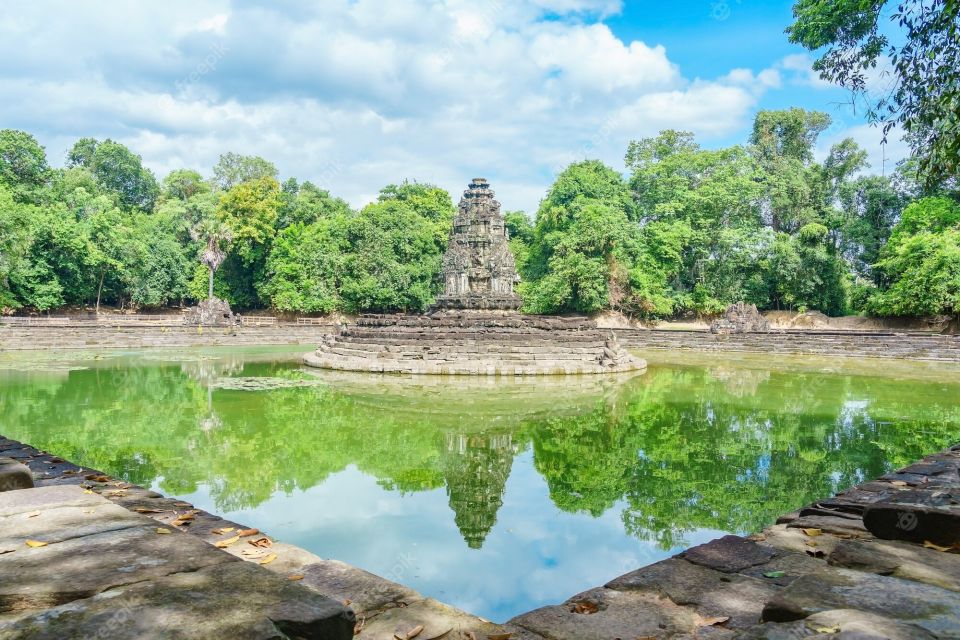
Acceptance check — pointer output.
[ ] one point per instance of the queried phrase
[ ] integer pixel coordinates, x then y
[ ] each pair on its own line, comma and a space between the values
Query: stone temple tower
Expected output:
478, 268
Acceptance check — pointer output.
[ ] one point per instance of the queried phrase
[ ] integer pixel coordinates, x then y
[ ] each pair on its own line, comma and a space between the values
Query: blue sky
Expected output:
356, 94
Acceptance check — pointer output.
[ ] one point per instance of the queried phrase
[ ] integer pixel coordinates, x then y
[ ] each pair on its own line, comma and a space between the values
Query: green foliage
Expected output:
23, 165
922, 261
118, 170
306, 204
396, 244
921, 40
306, 266
183, 184
234, 169
582, 233
689, 231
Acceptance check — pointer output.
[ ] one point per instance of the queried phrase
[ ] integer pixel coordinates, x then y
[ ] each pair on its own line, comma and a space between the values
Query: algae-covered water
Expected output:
497, 496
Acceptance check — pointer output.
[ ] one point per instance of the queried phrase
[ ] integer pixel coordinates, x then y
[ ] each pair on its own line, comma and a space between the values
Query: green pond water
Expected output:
496, 496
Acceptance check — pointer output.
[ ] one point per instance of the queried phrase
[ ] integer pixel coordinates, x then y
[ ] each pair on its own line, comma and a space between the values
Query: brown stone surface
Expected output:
75, 565
602, 614
234, 600
728, 554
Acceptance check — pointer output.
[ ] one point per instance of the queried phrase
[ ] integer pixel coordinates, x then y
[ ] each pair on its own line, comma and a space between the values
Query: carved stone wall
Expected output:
479, 271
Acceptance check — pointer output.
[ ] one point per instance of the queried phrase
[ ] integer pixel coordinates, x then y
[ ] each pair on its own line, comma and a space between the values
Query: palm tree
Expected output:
217, 236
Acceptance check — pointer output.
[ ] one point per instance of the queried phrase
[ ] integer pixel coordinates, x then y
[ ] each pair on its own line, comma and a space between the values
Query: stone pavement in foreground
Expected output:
817, 573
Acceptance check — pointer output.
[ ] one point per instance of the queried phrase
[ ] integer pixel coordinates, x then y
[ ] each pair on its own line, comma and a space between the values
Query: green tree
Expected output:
118, 170
921, 40
183, 184
581, 240
395, 247
23, 165
306, 266
306, 203
234, 169
922, 261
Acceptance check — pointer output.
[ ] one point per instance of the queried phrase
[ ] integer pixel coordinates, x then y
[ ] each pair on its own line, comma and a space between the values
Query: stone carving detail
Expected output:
740, 317
479, 271
212, 312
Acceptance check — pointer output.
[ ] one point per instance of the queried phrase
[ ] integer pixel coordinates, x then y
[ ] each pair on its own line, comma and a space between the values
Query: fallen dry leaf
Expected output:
585, 607
827, 629
146, 510
898, 483
929, 545
162, 530
222, 530
36, 543
270, 558
243, 533
295, 577
226, 543
709, 622
810, 543
87, 491
261, 542
357, 628
813, 533
409, 635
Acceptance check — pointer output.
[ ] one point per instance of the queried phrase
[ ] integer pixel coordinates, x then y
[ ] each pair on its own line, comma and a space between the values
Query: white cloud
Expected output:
592, 58
437, 91
799, 68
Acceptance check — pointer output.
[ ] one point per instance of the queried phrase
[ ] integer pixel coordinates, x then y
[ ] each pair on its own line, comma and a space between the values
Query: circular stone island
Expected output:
471, 342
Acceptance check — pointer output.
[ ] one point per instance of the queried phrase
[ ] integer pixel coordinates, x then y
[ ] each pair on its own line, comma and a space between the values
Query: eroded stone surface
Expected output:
234, 600
14, 475
438, 619
728, 554
932, 608
848, 624
81, 567
709, 592
616, 614
908, 561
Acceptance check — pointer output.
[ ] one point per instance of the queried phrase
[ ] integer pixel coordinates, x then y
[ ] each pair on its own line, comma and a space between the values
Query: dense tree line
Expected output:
688, 230
691, 230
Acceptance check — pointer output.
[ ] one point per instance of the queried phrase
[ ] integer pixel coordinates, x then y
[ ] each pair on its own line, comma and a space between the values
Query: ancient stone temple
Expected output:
478, 268
474, 328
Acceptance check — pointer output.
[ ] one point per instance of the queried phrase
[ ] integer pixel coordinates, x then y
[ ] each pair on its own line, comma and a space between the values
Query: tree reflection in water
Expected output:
678, 448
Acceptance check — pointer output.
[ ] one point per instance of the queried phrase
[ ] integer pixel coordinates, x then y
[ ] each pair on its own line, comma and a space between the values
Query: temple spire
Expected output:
479, 271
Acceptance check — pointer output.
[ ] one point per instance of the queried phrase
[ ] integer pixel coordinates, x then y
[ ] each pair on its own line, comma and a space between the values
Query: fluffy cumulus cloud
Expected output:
354, 94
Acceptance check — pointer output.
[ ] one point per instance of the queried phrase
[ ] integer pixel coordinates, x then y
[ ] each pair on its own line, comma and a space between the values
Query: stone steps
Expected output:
853, 344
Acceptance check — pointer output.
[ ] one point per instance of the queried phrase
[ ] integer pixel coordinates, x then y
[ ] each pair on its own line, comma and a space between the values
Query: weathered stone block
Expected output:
728, 554
929, 607
14, 475
602, 614
235, 600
